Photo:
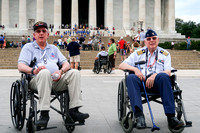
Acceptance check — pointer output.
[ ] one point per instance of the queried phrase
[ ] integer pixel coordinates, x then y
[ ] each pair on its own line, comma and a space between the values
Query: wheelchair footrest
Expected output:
38, 128
76, 123
188, 124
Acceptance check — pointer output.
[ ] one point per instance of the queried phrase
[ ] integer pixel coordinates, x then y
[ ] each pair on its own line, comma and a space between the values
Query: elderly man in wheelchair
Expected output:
102, 62
39, 61
151, 66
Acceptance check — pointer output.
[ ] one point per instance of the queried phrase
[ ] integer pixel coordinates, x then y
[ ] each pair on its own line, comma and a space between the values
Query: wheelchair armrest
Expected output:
128, 71
173, 70
140, 63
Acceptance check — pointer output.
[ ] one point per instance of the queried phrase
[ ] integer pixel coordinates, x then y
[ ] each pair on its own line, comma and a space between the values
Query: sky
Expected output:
188, 10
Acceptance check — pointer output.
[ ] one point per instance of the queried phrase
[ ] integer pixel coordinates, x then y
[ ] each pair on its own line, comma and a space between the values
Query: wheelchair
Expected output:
103, 63
21, 95
126, 114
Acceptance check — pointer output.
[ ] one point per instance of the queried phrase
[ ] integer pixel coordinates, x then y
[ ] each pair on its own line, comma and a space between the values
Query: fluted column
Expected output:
57, 14
74, 16
109, 14
40, 10
92, 13
157, 15
142, 14
22, 14
171, 15
126, 15
5, 13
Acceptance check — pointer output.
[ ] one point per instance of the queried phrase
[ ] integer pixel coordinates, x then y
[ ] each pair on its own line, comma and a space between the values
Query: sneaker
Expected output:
174, 123
78, 116
44, 119
140, 122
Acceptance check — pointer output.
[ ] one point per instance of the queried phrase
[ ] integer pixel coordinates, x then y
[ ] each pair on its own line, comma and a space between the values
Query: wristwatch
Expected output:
32, 71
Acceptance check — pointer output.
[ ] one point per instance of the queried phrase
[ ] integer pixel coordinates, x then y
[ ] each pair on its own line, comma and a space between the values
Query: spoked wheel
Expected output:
109, 67
98, 69
17, 105
64, 106
30, 127
121, 107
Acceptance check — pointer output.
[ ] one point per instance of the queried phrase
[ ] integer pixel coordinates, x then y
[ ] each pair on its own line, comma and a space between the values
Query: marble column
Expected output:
126, 15
74, 16
40, 10
5, 13
57, 14
92, 13
171, 15
109, 14
157, 15
142, 15
22, 14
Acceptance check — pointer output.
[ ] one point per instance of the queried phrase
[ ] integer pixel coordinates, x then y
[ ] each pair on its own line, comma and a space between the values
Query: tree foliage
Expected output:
189, 28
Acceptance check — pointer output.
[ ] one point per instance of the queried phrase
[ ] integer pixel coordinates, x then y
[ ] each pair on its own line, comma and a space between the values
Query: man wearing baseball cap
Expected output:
157, 68
47, 56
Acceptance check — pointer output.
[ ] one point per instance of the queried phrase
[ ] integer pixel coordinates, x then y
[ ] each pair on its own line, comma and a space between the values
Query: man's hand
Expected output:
150, 81
57, 72
139, 74
36, 71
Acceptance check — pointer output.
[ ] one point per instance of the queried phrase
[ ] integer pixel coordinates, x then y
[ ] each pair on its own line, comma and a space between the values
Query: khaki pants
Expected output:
43, 83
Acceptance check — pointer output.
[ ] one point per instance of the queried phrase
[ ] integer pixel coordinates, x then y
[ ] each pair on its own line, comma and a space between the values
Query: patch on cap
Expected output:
150, 33
40, 24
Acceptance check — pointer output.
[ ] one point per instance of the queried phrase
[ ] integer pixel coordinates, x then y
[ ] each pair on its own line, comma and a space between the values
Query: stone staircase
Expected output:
181, 59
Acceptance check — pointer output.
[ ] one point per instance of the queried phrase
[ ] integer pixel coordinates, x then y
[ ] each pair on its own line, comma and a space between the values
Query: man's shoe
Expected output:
174, 123
44, 119
78, 116
140, 122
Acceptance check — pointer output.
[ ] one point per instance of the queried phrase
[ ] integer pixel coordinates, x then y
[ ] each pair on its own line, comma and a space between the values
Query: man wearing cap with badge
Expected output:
158, 70
43, 74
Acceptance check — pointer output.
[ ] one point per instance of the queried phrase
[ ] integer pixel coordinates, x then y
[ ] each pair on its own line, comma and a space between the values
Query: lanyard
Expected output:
150, 61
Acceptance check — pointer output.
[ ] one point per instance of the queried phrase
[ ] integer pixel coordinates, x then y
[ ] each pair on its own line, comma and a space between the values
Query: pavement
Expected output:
99, 92
88, 73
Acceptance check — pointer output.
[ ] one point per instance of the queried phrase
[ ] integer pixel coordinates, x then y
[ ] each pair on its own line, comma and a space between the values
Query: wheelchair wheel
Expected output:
98, 69
180, 130
17, 105
64, 106
30, 127
121, 107
109, 67
127, 125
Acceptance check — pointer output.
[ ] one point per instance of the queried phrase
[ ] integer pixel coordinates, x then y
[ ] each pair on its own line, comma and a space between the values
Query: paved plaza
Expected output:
100, 101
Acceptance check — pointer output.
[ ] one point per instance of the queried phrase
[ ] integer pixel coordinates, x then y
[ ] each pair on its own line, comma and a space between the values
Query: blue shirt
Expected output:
102, 53
49, 56
163, 60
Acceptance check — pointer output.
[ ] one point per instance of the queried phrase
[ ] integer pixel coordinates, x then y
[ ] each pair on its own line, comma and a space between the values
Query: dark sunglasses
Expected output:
38, 31
149, 38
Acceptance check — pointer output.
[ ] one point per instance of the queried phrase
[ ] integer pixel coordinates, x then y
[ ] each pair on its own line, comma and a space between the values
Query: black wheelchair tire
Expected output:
17, 105
98, 69
109, 67
30, 127
121, 101
180, 130
64, 107
127, 125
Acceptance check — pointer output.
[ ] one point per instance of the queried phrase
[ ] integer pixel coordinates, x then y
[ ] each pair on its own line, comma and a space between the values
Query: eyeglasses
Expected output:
149, 38
38, 31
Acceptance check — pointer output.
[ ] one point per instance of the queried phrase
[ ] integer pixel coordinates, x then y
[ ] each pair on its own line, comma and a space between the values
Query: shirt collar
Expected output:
36, 46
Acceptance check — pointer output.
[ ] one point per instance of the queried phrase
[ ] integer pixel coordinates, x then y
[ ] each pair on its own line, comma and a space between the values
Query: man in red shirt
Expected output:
122, 49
